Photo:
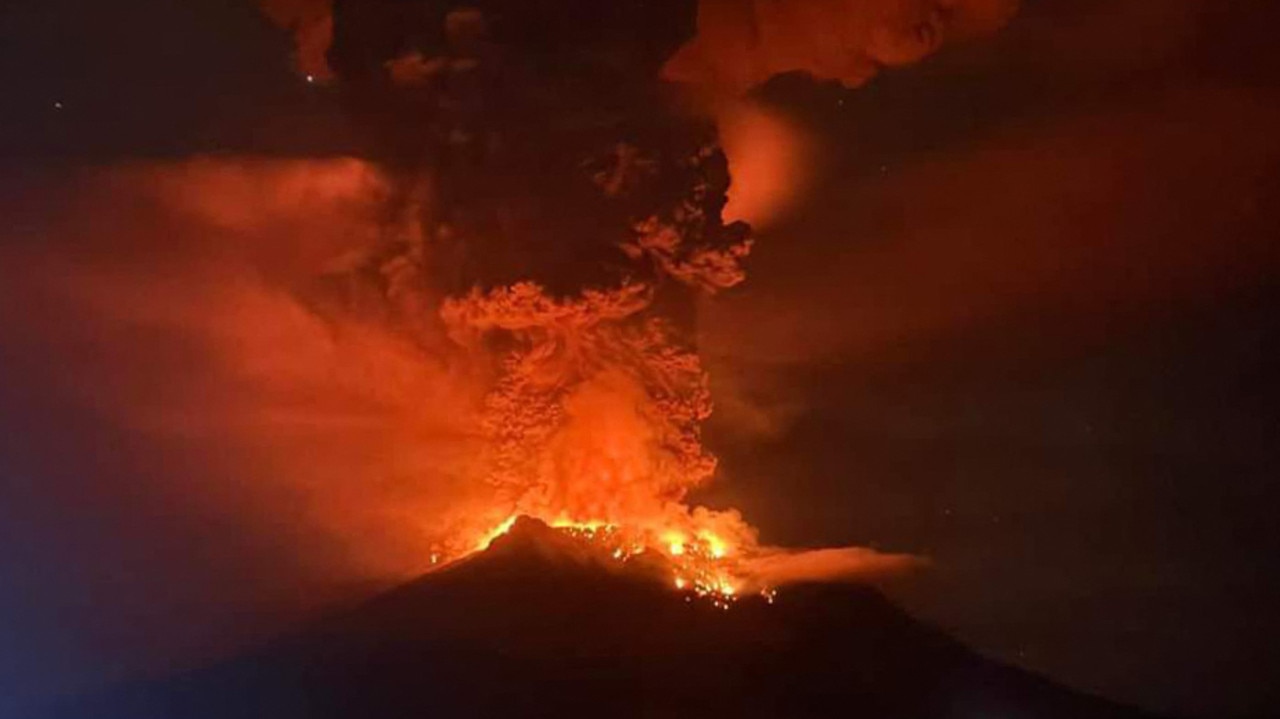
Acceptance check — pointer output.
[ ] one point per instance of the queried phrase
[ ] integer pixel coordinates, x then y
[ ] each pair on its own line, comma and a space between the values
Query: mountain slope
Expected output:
541, 625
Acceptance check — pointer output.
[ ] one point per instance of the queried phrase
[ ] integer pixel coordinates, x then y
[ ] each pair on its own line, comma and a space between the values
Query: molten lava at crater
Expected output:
702, 567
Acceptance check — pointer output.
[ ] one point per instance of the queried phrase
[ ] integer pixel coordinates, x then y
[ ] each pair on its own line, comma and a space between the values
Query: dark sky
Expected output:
1025, 325
1035, 308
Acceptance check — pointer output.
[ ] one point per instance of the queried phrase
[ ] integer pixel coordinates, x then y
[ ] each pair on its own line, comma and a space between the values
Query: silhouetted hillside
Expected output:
540, 625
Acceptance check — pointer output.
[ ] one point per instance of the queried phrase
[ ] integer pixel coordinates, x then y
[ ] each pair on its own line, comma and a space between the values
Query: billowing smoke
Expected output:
595, 416
742, 43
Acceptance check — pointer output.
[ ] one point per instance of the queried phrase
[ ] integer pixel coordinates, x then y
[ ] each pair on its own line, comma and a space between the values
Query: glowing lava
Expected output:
592, 423
699, 566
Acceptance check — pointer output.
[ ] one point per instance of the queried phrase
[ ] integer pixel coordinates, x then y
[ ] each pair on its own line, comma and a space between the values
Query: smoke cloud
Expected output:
743, 43
847, 564
182, 301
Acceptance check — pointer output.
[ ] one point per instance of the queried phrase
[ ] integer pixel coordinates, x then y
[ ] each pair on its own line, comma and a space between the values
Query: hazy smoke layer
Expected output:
180, 300
851, 564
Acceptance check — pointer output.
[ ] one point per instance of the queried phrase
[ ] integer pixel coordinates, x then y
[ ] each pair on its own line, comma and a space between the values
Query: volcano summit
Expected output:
544, 623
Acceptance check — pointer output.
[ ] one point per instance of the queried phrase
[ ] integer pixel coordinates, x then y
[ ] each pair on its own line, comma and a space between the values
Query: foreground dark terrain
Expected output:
540, 626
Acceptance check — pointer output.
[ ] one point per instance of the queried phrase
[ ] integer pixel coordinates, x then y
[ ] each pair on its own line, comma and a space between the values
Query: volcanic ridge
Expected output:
543, 623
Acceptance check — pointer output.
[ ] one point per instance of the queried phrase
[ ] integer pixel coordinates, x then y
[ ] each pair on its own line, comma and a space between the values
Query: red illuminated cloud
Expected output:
743, 43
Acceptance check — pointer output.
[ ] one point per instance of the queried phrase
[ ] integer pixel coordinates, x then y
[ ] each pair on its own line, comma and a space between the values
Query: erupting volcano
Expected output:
558, 219
550, 226
545, 623
645, 358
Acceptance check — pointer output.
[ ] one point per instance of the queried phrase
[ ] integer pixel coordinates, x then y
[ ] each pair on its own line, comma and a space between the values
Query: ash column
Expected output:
544, 134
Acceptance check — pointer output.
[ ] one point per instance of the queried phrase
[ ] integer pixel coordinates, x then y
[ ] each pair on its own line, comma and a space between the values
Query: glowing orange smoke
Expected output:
593, 419
773, 163
742, 43
592, 425
376, 444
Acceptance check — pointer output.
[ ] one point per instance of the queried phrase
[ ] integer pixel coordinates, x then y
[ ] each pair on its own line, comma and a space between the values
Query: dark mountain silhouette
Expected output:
544, 625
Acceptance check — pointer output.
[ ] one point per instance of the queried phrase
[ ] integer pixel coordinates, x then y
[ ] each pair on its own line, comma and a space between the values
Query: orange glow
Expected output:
742, 43
593, 421
592, 424
496, 532
773, 163
712, 577
413, 436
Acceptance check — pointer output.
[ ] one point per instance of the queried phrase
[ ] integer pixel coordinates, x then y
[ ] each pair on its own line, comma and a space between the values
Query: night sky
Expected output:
1025, 325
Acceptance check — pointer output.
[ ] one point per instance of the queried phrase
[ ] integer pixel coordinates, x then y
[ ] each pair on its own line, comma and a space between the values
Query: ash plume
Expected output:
335, 439
368, 365
595, 392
